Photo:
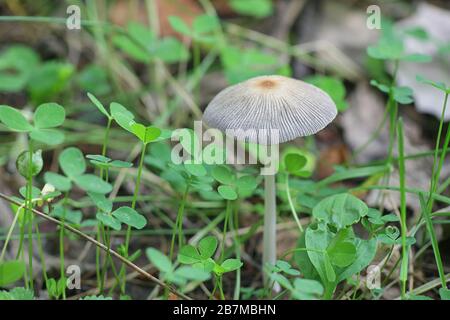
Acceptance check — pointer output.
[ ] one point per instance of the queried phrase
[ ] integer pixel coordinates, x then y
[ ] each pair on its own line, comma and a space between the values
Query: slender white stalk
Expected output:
270, 223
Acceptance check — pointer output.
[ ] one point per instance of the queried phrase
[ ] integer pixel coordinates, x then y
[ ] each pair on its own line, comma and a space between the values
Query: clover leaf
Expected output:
105, 162
73, 165
99, 105
402, 95
114, 219
340, 210
438, 85
231, 187
201, 257
178, 276
202, 28
11, 271
141, 44
46, 117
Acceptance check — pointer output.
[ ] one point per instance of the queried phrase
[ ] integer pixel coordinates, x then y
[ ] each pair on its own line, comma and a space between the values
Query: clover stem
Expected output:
100, 228
105, 143
224, 232
436, 171
291, 204
270, 223
10, 231
237, 244
29, 213
178, 224
61, 245
133, 206
41, 253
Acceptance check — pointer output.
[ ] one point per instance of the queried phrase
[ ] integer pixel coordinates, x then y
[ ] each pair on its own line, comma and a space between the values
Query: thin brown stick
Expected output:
103, 247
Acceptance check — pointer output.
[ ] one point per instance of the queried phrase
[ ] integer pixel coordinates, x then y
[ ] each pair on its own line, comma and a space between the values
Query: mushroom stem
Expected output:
270, 223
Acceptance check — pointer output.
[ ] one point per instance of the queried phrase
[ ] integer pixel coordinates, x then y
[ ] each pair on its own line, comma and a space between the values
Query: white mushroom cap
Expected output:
294, 107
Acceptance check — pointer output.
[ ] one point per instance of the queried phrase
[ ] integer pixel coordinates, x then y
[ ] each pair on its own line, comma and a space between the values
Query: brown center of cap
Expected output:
267, 84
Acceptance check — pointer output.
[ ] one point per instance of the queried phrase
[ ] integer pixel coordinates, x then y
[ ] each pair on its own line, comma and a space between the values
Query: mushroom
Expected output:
289, 107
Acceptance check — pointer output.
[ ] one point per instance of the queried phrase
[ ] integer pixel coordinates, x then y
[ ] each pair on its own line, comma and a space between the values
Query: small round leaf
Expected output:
227, 192
49, 115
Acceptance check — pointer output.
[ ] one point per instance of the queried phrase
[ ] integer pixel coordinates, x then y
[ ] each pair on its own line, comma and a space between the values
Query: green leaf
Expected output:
99, 105
282, 281
63, 213
254, 8
51, 137
141, 34
316, 241
329, 270
403, 95
437, 85
17, 293
17, 63
189, 255
285, 267
28, 168
227, 192
94, 78
122, 116
130, 217
207, 246
197, 170
444, 293
231, 264
417, 58
120, 164
306, 289
145, 134
387, 48
418, 33
11, 271
60, 182
192, 273
151, 134
48, 80
246, 185
92, 183
179, 26
49, 115
35, 192
159, 260
14, 120
294, 162
108, 221
365, 253
340, 210
138, 130
223, 174
101, 201
72, 162
170, 50
205, 24
98, 158
131, 48
342, 251
308, 167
